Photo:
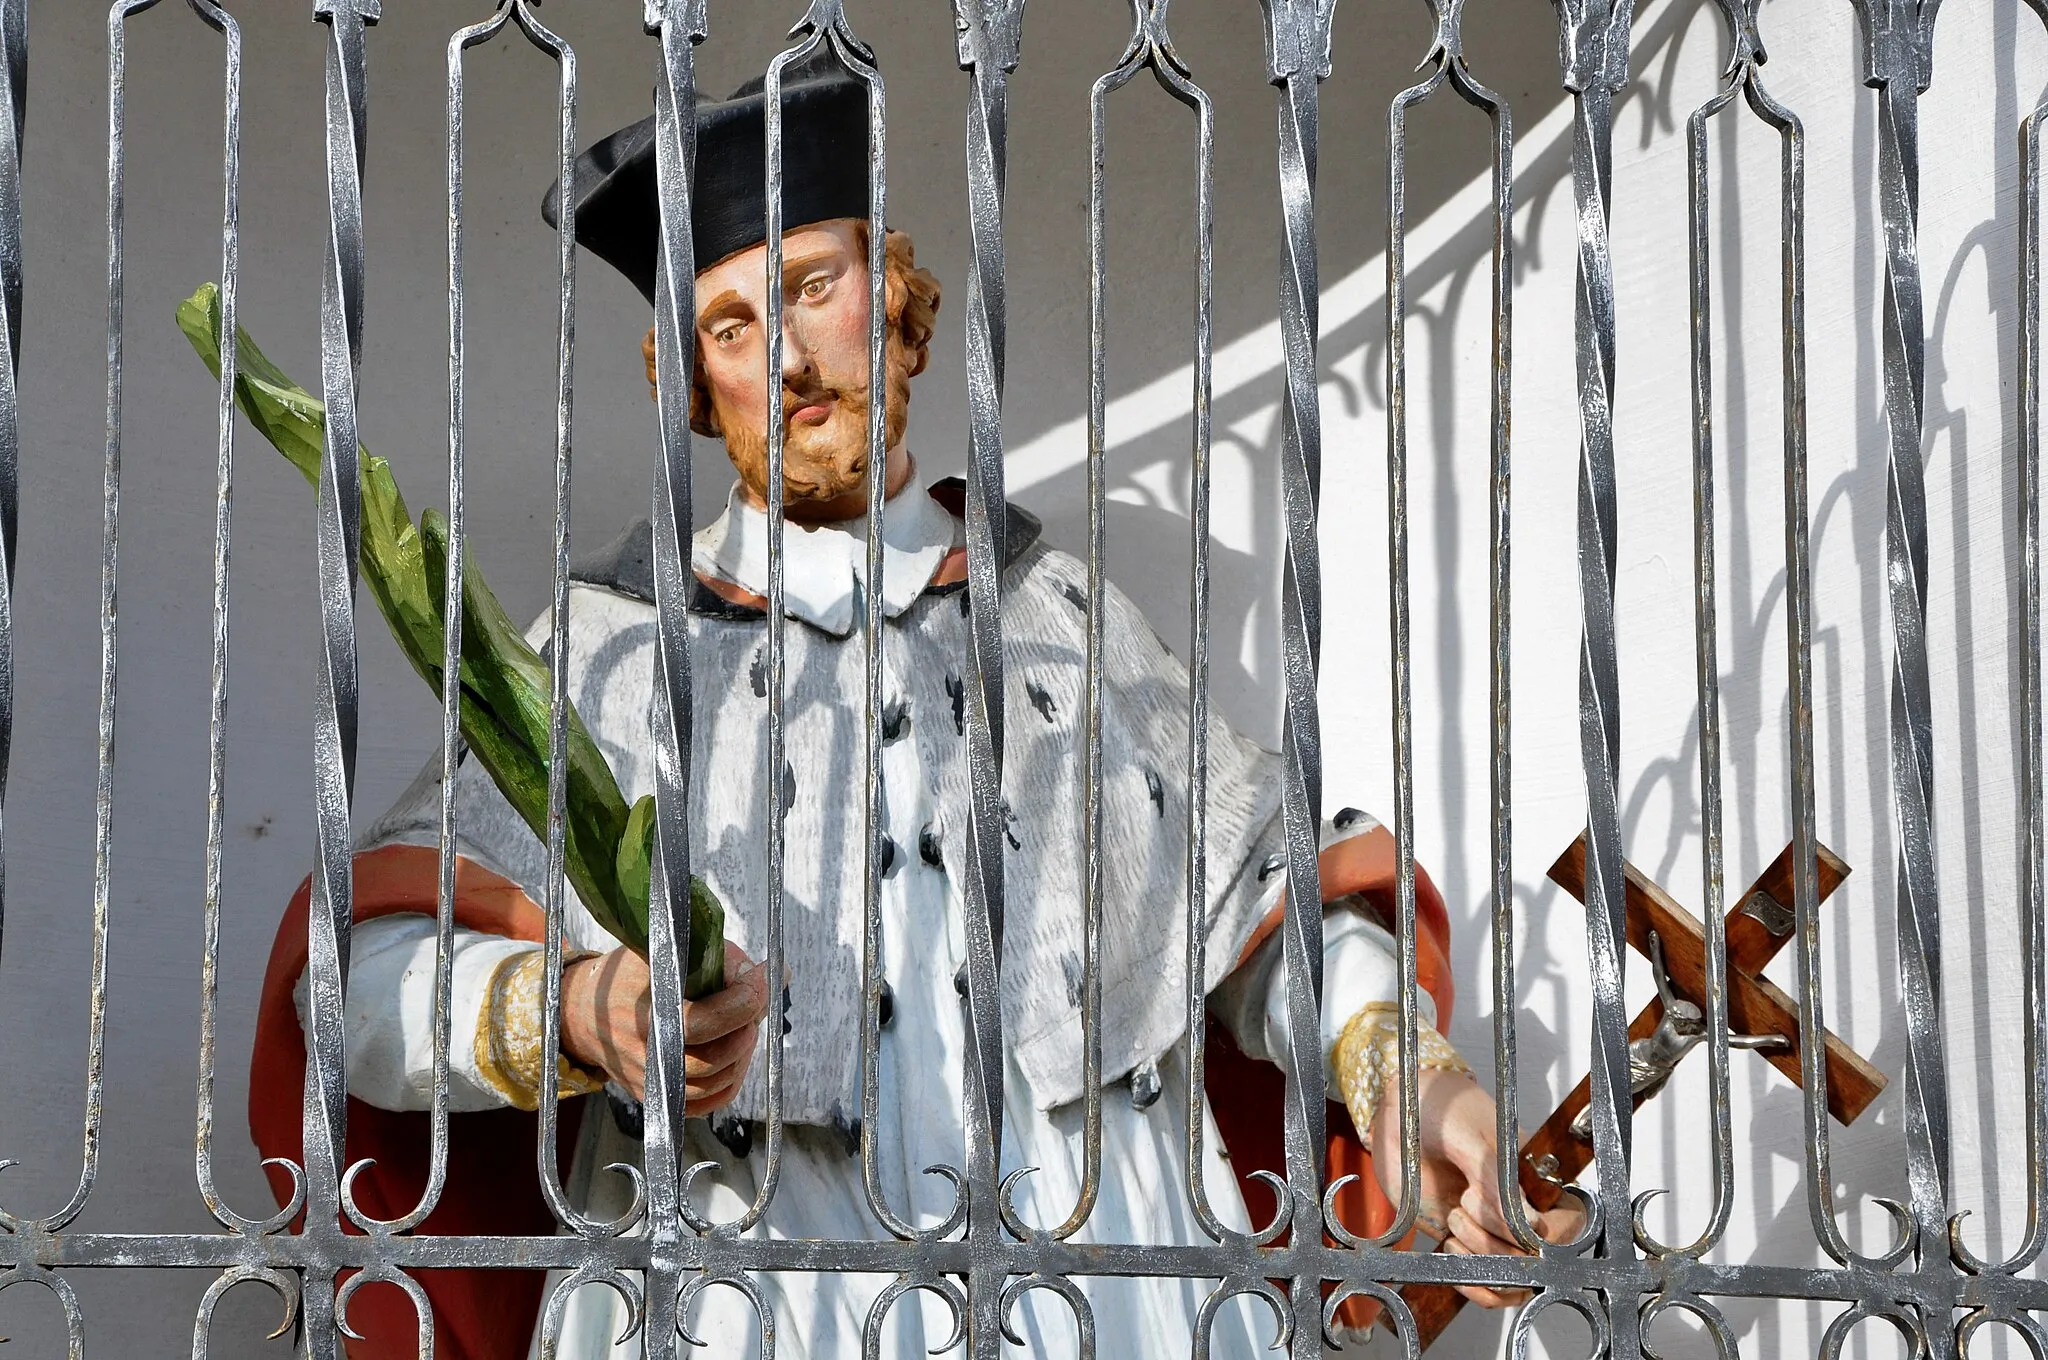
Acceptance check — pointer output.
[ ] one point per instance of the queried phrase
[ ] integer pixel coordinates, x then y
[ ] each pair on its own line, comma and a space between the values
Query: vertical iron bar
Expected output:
823, 26
1501, 689
1898, 53
1091, 694
990, 34
1745, 51
110, 537
1301, 636
546, 1147
1407, 1104
1706, 649
679, 25
1199, 497
1749, 56
217, 720
1598, 673
1805, 835
1091, 697
452, 598
1298, 58
778, 622
772, 418
2033, 926
1151, 45
1594, 43
334, 741
1446, 60
13, 107
989, 44
874, 640
1912, 743
558, 634
509, 11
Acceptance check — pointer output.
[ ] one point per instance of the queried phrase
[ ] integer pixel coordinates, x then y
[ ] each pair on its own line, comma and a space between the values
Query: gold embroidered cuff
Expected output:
508, 1033
1367, 1059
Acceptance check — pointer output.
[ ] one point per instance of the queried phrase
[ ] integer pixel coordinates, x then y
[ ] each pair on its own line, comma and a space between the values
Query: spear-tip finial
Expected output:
368, 11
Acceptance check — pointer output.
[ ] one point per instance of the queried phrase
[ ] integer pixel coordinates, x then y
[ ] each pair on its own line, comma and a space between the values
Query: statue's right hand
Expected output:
606, 1006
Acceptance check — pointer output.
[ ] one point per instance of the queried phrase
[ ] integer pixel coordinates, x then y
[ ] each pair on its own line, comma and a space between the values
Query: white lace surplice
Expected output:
821, 1194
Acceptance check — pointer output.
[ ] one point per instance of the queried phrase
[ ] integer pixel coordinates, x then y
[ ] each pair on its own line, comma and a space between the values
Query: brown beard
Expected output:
819, 462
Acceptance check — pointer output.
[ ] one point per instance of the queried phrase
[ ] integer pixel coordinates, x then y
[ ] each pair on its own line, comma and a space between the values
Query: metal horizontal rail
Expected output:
1641, 1279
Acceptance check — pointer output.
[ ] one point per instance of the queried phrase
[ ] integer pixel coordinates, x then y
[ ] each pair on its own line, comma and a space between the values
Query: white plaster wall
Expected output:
1988, 71
1989, 68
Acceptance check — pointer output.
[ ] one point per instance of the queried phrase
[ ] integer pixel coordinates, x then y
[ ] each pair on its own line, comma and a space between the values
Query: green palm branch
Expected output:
504, 700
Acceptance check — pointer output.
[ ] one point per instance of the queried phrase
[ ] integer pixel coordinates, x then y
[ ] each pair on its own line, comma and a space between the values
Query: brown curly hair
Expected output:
911, 309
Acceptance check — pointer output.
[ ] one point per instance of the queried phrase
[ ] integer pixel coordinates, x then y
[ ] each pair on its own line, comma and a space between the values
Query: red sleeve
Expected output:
491, 1189
1364, 865
1249, 1121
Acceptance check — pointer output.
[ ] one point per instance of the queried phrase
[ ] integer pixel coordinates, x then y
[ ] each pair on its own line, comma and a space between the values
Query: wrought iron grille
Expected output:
984, 1256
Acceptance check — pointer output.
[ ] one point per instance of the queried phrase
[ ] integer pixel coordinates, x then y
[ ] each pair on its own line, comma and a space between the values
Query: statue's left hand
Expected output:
1460, 1179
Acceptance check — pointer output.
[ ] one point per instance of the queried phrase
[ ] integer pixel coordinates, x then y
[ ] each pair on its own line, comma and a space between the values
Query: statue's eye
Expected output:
814, 288
726, 336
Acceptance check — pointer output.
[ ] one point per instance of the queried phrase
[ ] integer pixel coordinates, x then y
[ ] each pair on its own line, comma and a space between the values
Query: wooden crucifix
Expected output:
1760, 1017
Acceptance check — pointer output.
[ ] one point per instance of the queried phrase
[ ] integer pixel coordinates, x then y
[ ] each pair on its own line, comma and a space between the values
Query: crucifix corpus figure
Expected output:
495, 1079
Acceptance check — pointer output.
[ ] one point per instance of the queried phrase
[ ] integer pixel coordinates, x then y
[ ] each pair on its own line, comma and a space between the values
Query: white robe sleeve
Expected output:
390, 1013
1361, 967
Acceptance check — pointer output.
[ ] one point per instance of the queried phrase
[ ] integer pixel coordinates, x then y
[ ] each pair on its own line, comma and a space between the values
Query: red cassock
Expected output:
491, 1188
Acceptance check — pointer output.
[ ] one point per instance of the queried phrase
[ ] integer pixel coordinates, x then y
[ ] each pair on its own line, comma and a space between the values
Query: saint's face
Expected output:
823, 389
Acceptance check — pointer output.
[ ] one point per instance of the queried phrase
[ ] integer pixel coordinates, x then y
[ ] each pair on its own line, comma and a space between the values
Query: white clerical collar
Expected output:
825, 565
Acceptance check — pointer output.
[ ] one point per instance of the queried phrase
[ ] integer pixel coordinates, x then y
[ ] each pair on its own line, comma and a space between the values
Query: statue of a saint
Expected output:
495, 1072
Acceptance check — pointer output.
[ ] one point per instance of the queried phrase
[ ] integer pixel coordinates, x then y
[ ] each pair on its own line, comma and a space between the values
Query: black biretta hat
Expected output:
824, 171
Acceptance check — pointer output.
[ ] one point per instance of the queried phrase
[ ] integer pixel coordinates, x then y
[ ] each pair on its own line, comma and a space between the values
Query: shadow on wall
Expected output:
1678, 53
